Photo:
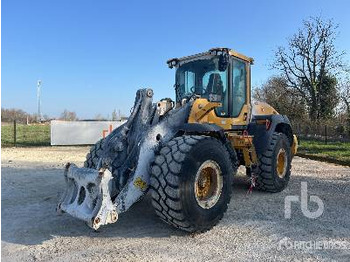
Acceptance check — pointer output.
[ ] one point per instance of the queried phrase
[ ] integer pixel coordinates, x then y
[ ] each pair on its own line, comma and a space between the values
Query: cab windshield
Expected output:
203, 78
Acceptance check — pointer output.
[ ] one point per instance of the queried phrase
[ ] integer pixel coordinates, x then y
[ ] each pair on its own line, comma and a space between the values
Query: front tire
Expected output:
94, 154
191, 182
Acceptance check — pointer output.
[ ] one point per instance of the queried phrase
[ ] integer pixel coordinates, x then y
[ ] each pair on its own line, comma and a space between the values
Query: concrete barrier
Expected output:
80, 132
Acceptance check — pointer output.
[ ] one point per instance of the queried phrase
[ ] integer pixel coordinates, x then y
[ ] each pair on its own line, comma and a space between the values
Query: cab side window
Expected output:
215, 84
238, 86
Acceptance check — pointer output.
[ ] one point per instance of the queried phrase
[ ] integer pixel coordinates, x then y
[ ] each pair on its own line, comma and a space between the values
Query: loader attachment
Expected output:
119, 175
87, 196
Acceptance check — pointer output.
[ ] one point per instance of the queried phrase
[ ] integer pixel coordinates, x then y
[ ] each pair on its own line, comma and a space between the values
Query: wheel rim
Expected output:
208, 184
281, 163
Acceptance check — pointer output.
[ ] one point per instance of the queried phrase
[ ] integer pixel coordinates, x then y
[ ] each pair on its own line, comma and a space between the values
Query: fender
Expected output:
212, 130
202, 129
262, 130
190, 128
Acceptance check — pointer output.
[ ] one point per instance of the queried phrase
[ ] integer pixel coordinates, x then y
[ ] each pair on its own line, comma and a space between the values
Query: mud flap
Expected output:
87, 196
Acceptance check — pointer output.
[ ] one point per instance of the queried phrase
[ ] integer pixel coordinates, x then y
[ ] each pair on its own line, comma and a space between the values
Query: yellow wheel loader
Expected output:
186, 151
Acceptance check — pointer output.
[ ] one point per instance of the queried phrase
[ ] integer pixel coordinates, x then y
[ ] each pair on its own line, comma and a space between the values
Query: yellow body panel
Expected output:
244, 143
261, 108
203, 112
211, 118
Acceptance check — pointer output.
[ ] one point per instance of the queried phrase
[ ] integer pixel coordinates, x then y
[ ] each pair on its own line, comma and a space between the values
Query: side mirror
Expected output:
223, 62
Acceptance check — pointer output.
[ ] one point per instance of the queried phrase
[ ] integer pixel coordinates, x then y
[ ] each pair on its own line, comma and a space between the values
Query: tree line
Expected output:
312, 81
116, 115
9, 115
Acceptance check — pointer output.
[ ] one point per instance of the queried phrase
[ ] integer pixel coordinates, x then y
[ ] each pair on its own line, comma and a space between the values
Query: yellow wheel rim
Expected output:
208, 184
281, 163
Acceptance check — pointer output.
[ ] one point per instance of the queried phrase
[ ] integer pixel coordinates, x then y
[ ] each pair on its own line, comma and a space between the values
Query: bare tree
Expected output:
345, 101
114, 115
68, 116
345, 94
8, 115
311, 57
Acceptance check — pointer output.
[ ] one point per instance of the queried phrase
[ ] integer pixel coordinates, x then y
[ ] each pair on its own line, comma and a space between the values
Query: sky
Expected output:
92, 56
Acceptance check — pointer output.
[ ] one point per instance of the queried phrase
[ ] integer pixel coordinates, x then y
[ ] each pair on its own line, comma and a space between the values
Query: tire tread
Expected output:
165, 188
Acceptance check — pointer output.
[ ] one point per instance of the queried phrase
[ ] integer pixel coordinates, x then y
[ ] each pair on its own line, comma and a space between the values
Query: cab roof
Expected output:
174, 62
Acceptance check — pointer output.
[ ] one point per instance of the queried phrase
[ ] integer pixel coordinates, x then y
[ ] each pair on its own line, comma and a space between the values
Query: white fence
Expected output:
80, 132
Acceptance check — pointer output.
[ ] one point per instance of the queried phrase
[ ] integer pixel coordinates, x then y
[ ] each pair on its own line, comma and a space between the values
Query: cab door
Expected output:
239, 106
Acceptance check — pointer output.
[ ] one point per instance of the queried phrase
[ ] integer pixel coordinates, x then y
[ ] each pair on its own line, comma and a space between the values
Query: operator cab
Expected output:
219, 75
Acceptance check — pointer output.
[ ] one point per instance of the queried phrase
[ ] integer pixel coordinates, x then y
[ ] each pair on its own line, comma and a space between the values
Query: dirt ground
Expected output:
253, 229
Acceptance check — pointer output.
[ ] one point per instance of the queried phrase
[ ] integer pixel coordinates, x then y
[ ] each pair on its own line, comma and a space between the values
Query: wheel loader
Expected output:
186, 151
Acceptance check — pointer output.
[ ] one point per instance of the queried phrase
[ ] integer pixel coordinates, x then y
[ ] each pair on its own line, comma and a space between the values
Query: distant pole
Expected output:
38, 93
325, 134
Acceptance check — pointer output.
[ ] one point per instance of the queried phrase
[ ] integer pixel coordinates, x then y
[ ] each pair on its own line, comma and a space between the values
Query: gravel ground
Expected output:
253, 229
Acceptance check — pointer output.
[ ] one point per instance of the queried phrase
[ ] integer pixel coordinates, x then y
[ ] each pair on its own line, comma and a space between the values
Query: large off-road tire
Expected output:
93, 156
274, 168
191, 182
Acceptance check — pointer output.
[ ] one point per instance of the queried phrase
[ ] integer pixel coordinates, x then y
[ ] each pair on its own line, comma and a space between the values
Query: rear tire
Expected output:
274, 168
191, 182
